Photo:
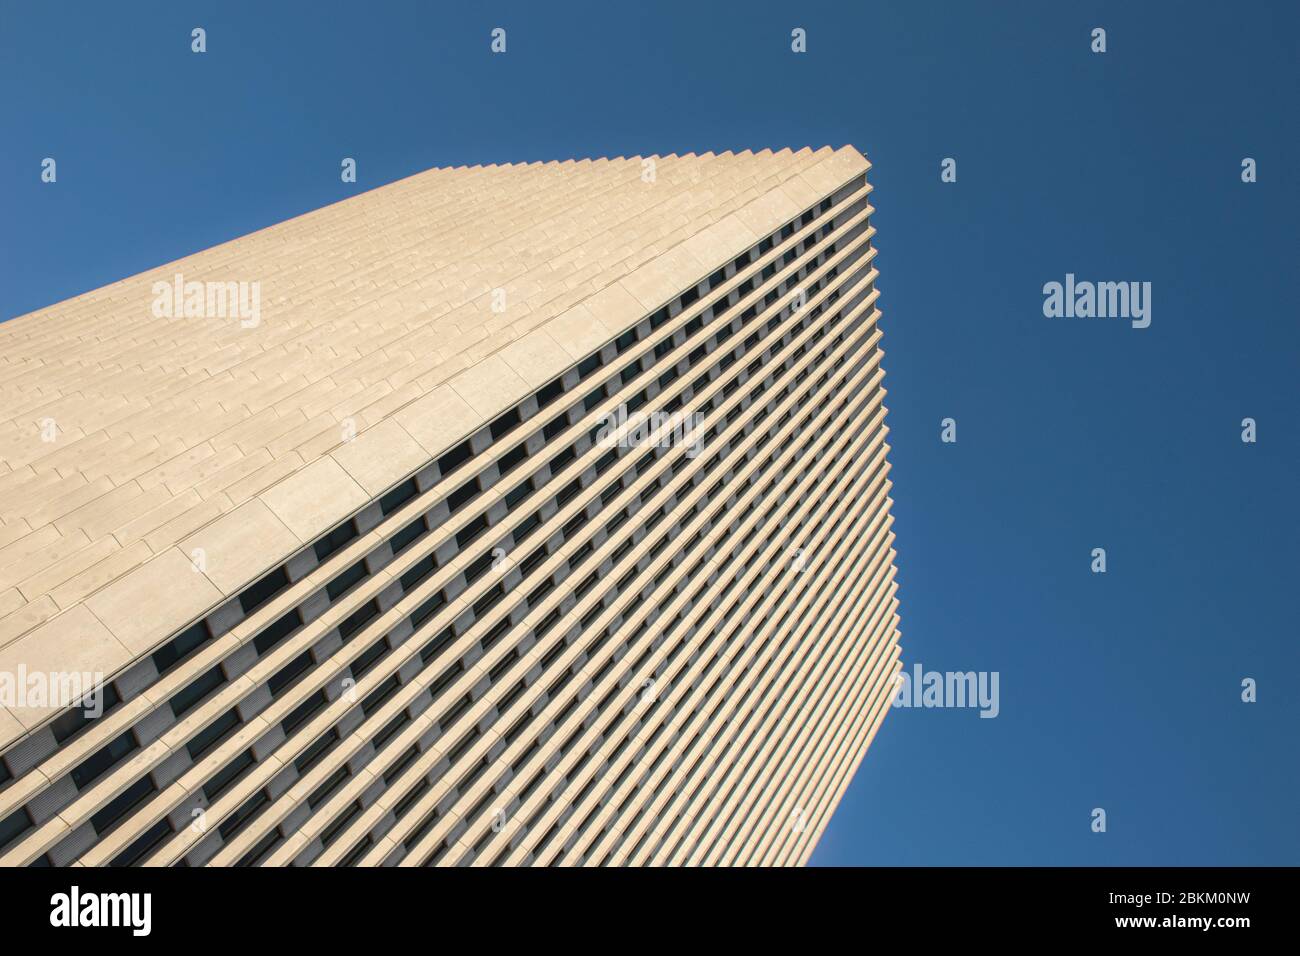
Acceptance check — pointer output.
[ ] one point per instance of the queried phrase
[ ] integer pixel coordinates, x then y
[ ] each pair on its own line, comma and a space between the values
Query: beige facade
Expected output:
501, 515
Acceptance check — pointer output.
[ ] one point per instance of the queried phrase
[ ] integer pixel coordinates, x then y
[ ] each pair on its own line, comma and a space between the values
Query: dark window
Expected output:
525, 527
367, 658
547, 623
494, 635
395, 771
228, 775
418, 572
335, 540
380, 694
358, 619
146, 842
489, 600
290, 672
304, 712
428, 608
416, 792
556, 425
97, 763
445, 679
533, 560
471, 531
263, 847
236, 821
211, 735
184, 644
14, 826
322, 793
518, 494
121, 805
477, 568
462, 495
397, 497
454, 458
437, 645
511, 459
187, 699
504, 423
402, 540
265, 589
464, 744
72, 721
277, 632
562, 459
550, 393
391, 728
330, 832
568, 491
307, 759
344, 582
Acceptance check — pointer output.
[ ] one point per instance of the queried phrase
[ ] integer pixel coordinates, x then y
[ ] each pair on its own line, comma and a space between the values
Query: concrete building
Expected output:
501, 515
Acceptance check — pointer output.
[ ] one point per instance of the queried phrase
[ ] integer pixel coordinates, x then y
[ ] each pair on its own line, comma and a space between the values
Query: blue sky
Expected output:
1118, 690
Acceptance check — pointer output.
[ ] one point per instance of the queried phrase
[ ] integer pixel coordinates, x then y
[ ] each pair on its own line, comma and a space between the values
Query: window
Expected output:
189, 698
258, 594
335, 540
397, 497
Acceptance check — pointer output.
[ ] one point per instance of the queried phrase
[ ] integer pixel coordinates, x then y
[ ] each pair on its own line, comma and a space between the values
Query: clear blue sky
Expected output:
1118, 690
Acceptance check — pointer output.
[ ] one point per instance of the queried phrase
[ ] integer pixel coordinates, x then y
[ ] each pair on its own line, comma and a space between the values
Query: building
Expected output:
500, 515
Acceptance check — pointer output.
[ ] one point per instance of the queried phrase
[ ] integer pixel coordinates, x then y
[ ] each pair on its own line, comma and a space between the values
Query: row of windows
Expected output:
656, 517
495, 593
780, 646
194, 638
208, 683
689, 579
423, 784
729, 613
581, 589
496, 671
199, 635
72, 721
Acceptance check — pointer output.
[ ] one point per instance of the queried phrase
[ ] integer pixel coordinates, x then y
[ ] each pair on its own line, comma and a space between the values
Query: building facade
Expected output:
528, 514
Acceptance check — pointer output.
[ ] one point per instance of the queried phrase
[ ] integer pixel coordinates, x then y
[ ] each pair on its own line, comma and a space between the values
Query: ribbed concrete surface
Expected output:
438, 621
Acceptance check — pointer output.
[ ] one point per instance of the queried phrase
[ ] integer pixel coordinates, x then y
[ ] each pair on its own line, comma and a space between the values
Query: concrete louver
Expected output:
370, 582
